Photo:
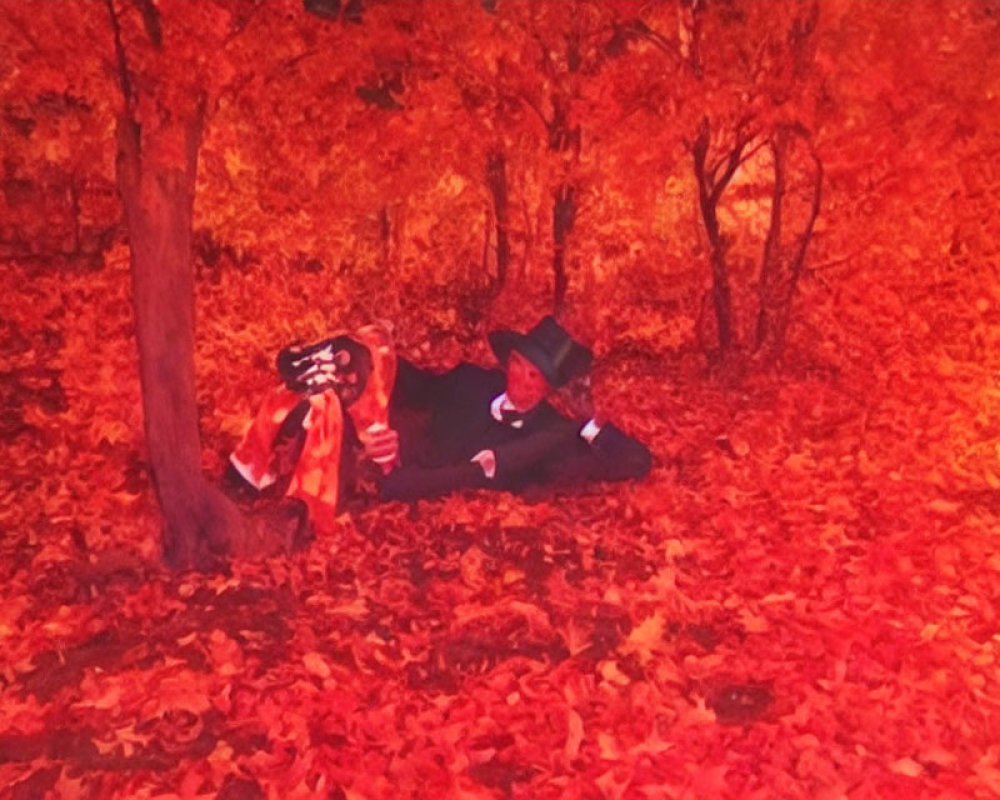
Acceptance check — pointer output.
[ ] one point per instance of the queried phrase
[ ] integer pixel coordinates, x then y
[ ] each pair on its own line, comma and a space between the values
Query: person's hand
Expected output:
486, 459
381, 444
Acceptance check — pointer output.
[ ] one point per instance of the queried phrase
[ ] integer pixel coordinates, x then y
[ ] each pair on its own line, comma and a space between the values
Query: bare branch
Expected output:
737, 156
806, 236
731, 163
658, 40
742, 139
816, 269
699, 151
772, 242
799, 259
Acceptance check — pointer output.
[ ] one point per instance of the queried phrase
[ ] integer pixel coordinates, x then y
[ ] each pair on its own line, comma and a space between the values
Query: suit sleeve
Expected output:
556, 454
412, 483
612, 456
621, 457
516, 457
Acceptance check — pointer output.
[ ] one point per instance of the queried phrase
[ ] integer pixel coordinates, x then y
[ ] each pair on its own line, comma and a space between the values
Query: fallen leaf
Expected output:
316, 665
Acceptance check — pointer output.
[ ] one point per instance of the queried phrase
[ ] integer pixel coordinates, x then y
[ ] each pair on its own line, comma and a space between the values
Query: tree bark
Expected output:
563, 217
770, 265
158, 195
709, 193
496, 174
798, 259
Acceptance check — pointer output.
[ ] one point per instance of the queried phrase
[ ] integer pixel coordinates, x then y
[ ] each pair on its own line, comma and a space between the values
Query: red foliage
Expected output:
799, 602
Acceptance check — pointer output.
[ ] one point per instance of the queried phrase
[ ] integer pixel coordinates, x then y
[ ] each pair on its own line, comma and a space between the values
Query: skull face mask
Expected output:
339, 363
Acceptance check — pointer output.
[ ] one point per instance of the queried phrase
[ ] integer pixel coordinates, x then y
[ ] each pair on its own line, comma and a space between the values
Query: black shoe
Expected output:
238, 488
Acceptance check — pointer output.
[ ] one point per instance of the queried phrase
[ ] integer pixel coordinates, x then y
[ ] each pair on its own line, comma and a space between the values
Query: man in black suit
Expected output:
473, 427
429, 433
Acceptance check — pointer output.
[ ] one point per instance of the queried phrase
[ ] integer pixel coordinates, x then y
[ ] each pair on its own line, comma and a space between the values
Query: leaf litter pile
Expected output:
800, 602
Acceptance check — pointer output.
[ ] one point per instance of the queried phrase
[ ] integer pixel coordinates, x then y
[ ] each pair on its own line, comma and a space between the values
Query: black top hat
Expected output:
549, 347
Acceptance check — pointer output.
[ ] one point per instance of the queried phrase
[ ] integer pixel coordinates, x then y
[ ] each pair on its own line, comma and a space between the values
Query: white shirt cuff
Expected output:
247, 473
589, 431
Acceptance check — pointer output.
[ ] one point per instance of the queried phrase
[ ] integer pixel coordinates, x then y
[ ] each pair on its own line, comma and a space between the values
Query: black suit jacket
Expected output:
444, 420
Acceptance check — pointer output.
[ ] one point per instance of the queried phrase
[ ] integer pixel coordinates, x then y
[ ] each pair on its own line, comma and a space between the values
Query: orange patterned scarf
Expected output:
315, 475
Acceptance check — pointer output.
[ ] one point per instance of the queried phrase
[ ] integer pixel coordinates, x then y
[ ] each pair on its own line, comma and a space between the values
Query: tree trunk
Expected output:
384, 239
74, 198
496, 173
709, 192
721, 294
770, 265
798, 258
563, 217
158, 195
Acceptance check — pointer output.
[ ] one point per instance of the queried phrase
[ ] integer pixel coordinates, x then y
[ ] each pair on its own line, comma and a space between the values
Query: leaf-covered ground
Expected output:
800, 602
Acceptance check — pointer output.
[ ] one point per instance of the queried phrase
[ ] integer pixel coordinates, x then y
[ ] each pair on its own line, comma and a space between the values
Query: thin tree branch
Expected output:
804, 239
806, 236
772, 242
658, 40
732, 162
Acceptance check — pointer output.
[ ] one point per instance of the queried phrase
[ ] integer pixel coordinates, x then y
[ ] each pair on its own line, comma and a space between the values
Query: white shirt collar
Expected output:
500, 404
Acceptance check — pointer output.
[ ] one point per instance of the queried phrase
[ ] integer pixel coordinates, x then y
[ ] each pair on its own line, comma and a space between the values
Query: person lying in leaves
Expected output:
433, 433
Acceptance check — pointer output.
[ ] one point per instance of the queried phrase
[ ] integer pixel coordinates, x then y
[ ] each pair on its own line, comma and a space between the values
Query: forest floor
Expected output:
799, 602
